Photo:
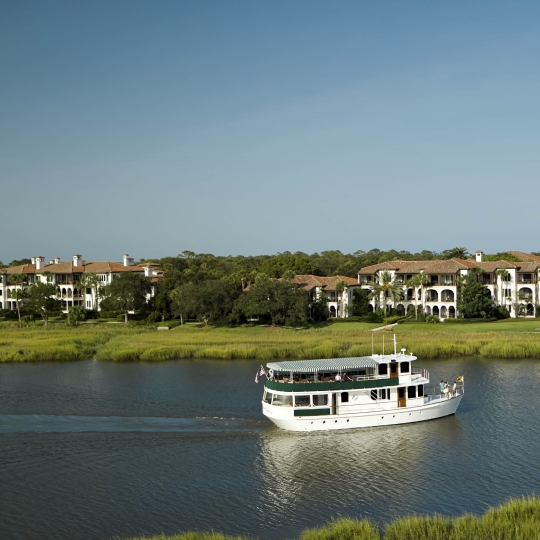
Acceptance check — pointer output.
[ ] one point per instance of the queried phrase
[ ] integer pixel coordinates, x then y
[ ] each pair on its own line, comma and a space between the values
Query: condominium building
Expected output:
338, 298
68, 278
511, 284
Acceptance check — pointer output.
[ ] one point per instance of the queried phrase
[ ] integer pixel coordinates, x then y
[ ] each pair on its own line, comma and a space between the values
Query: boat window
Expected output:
411, 392
281, 400
383, 369
382, 393
302, 401
320, 399
374, 395
344, 397
267, 398
404, 367
420, 390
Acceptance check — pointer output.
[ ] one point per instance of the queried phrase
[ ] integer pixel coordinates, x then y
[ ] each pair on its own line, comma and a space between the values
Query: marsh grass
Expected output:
518, 519
139, 343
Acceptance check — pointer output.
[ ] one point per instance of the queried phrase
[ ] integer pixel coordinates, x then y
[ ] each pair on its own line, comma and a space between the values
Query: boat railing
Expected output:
420, 371
438, 395
332, 379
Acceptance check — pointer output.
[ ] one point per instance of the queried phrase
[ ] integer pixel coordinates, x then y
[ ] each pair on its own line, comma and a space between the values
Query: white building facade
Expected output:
514, 285
69, 277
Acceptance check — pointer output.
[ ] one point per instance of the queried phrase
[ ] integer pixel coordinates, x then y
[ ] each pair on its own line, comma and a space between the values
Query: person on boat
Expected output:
338, 377
442, 386
446, 390
454, 388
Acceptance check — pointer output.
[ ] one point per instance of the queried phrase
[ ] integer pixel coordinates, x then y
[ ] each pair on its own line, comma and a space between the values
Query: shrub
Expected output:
501, 312
108, 314
468, 321
433, 319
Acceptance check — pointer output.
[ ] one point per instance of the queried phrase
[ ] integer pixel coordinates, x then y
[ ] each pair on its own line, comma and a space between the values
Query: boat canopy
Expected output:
324, 364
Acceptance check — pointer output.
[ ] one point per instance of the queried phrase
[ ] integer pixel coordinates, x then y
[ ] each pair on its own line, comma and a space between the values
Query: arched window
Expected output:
435, 311
447, 296
400, 310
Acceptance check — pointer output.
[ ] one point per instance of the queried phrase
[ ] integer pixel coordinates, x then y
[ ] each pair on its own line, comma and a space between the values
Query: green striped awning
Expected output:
324, 364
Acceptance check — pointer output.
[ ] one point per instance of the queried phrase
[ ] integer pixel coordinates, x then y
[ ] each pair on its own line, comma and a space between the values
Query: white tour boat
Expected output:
343, 393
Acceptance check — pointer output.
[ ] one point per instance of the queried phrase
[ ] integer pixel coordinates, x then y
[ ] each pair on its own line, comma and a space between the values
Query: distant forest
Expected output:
197, 267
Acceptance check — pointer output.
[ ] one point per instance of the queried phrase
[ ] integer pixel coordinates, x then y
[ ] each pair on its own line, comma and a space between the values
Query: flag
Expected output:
259, 374
459, 379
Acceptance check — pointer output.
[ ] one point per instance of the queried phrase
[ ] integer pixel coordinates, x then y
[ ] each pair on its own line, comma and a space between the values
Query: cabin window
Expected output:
344, 397
420, 390
374, 395
383, 369
267, 398
404, 367
320, 399
411, 392
384, 393
302, 401
281, 400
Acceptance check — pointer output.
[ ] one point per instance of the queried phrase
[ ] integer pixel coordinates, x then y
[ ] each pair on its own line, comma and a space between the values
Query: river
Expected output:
92, 450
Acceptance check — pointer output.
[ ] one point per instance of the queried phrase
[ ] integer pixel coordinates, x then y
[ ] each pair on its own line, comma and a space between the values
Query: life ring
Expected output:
270, 373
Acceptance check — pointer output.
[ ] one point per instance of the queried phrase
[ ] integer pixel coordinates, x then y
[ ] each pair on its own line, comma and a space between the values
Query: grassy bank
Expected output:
518, 519
118, 343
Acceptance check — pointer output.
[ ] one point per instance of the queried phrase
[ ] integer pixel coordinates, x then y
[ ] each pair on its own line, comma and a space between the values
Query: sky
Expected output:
244, 127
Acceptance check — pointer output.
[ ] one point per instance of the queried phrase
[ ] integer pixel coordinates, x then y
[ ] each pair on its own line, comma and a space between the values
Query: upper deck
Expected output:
342, 373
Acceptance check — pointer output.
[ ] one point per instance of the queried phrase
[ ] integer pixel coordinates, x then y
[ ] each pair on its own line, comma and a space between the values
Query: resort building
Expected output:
71, 279
513, 285
337, 290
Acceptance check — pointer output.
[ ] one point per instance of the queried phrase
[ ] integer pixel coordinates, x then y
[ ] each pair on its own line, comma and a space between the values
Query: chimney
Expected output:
33, 259
77, 261
39, 262
128, 261
51, 262
56, 260
479, 256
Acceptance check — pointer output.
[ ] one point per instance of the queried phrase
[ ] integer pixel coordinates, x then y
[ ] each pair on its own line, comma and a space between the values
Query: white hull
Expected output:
389, 417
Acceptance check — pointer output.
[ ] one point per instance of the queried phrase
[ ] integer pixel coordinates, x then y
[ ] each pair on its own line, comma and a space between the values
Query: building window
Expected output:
507, 293
88, 304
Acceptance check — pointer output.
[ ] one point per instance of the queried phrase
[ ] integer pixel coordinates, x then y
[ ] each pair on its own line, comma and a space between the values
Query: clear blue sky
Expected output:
234, 127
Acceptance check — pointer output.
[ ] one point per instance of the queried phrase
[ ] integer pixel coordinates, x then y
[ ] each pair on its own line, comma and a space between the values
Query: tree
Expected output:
279, 301
20, 262
502, 274
415, 282
424, 281
18, 293
360, 302
207, 301
386, 287
474, 299
127, 292
297, 263
43, 299
343, 288
91, 281
75, 315
455, 253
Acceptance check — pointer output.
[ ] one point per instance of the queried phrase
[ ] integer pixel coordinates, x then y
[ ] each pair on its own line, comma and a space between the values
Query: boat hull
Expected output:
390, 417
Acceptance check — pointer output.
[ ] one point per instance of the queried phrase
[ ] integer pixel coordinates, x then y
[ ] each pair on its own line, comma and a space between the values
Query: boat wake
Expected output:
34, 423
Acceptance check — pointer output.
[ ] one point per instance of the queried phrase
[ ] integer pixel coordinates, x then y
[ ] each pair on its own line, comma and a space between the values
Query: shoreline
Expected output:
516, 518
139, 343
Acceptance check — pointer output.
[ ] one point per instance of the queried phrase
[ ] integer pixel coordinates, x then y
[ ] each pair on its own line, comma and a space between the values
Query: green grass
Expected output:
113, 342
518, 519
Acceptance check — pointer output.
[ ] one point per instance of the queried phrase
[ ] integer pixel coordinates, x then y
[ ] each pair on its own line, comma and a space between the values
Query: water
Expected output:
95, 450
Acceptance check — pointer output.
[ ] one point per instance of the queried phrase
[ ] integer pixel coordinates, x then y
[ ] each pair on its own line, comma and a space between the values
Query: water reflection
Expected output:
344, 468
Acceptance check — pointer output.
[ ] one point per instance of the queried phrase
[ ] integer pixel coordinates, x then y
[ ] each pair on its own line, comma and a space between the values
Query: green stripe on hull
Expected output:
328, 386
311, 412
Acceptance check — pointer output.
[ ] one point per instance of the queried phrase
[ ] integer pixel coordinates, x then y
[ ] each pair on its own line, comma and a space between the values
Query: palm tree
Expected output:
342, 287
18, 293
424, 280
91, 281
386, 287
502, 274
414, 283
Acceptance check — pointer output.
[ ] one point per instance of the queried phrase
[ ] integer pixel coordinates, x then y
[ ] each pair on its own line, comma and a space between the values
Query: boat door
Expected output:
334, 403
402, 399
393, 370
